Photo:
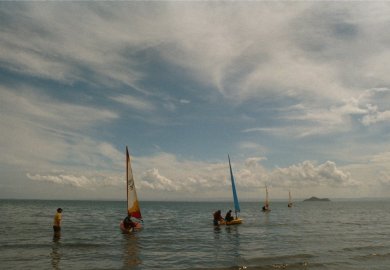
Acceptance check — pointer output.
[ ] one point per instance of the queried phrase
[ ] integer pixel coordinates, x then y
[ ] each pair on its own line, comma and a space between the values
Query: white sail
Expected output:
289, 199
266, 201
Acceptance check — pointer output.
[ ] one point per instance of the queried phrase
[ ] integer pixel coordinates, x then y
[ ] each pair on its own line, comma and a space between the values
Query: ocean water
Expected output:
180, 235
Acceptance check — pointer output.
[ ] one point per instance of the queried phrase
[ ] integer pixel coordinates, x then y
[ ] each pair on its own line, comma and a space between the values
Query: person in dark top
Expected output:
217, 217
228, 216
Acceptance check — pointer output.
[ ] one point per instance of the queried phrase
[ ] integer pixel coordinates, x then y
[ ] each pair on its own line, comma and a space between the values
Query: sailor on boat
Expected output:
128, 223
228, 216
266, 208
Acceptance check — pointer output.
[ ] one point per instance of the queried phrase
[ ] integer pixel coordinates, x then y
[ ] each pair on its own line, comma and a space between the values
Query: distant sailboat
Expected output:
133, 209
266, 202
237, 209
290, 204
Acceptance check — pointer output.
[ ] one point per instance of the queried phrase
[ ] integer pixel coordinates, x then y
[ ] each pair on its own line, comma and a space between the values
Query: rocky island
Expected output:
315, 199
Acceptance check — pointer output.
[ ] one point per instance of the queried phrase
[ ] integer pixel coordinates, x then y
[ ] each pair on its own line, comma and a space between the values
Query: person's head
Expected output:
59, 210
230, 211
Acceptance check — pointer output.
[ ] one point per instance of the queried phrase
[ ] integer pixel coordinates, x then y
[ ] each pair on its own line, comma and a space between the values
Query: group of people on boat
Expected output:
218, 217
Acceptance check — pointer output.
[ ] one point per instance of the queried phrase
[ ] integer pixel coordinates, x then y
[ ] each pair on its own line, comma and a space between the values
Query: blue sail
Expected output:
236, 204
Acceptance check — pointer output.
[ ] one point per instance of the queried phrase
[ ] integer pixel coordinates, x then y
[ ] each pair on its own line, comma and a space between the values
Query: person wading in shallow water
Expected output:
217, 217
57, 221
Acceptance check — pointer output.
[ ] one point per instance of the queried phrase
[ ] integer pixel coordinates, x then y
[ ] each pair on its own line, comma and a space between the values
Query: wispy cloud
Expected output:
138, 104
314, 76
41, 132
90, 182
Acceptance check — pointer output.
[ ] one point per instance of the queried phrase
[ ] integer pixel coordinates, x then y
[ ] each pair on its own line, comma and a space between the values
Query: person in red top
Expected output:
217, 217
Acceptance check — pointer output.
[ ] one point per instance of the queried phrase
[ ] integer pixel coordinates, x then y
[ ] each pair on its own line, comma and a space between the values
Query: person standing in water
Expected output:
57, 221
217, 217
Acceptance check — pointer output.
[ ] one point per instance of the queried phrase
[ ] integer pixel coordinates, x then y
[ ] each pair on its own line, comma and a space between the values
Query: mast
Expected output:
235, 198
127, 176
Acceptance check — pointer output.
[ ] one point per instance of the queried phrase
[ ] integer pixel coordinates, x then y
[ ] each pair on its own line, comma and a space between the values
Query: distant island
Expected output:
315, 199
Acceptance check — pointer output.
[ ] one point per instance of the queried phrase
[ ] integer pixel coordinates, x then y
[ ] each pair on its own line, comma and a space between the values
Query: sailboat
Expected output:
266, 203
133, 209
289, 199
237, 209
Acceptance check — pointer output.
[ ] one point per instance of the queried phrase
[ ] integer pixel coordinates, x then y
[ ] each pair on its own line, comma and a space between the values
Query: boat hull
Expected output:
232, 222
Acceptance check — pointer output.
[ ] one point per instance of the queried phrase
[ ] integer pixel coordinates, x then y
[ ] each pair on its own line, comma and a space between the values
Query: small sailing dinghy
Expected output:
134, 216
237, 209
266, 202
290, 204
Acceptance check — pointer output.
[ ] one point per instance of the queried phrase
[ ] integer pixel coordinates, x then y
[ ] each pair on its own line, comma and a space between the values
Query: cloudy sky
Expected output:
298, 93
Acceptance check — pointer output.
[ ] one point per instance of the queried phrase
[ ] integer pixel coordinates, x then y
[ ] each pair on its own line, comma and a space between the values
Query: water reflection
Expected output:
266, 218
55, 254
217, 232
234, 238
131, 257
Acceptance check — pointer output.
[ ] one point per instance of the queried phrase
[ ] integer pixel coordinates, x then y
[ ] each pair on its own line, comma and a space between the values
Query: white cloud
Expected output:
184, 101
311, 64
170, 174
309, 120
252, 147
91, 182
154, 180
40, 132
163, 175
307, 174
375, 116
135, 103
164, 171
253, 54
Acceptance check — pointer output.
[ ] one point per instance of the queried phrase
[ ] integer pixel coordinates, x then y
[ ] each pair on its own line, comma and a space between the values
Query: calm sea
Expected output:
180, 235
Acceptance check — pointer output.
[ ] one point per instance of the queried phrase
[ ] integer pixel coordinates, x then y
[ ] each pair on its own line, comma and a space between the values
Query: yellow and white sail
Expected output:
133, 208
